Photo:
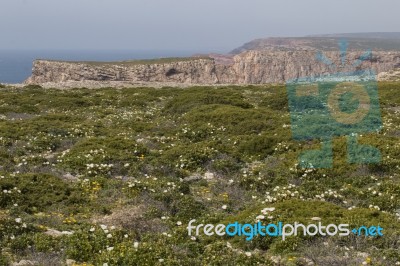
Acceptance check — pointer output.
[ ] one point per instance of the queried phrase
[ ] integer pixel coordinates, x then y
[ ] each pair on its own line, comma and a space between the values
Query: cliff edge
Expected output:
248, 67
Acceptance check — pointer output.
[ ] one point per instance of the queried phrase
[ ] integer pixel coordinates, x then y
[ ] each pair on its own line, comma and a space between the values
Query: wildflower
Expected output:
224, 207
109, 236
18, 220
136, 245
260, 217
266, 210
179, 223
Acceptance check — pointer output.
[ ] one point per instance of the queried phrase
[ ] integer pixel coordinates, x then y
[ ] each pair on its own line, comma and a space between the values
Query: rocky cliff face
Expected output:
251, 67
258, 67
196, 71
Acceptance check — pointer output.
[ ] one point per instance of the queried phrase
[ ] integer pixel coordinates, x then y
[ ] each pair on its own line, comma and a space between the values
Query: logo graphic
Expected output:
280, 229
337, 104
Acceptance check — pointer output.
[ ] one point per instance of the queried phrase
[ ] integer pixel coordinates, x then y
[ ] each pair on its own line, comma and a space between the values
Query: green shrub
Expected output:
196, 97
277, 100
35, 192
187, 208
236, 120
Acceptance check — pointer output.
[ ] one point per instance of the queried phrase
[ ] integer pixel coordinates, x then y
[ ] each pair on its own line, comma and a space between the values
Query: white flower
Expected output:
110, 248
224, 207
160, 260
104, 227
126, 235
193, 238
248, 254
266, 210
109, 236
18, 220
136, 244
105, 264
179, 223
92, 229
260, 217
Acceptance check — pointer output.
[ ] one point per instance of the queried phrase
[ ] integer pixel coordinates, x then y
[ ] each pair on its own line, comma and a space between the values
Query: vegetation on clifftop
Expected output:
166, 60
112, 177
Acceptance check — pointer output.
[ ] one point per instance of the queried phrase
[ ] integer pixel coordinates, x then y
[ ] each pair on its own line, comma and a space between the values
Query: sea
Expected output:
16, 65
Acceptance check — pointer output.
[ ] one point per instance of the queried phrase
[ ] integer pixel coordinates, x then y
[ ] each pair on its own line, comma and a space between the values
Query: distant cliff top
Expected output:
378, 41
155, 61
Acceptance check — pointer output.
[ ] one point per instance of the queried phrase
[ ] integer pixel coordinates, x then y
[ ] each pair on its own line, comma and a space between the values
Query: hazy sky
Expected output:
203, 25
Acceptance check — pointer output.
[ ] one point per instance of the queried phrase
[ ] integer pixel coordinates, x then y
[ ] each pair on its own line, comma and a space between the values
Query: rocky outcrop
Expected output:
196, 71
251, 67
258, 67
392, 75
355, 42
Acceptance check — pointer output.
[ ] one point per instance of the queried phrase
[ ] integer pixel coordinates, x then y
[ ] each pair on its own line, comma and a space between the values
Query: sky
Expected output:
187, 25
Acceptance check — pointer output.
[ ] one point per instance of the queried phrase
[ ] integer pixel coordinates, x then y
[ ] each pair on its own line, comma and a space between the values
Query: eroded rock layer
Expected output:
250, 67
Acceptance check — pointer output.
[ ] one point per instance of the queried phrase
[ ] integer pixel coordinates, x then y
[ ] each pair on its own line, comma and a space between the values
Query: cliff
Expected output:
356, 42
250, 67
258, 67
196, 71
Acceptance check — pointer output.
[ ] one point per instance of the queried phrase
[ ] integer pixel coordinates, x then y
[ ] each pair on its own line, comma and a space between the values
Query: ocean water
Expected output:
16, 66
